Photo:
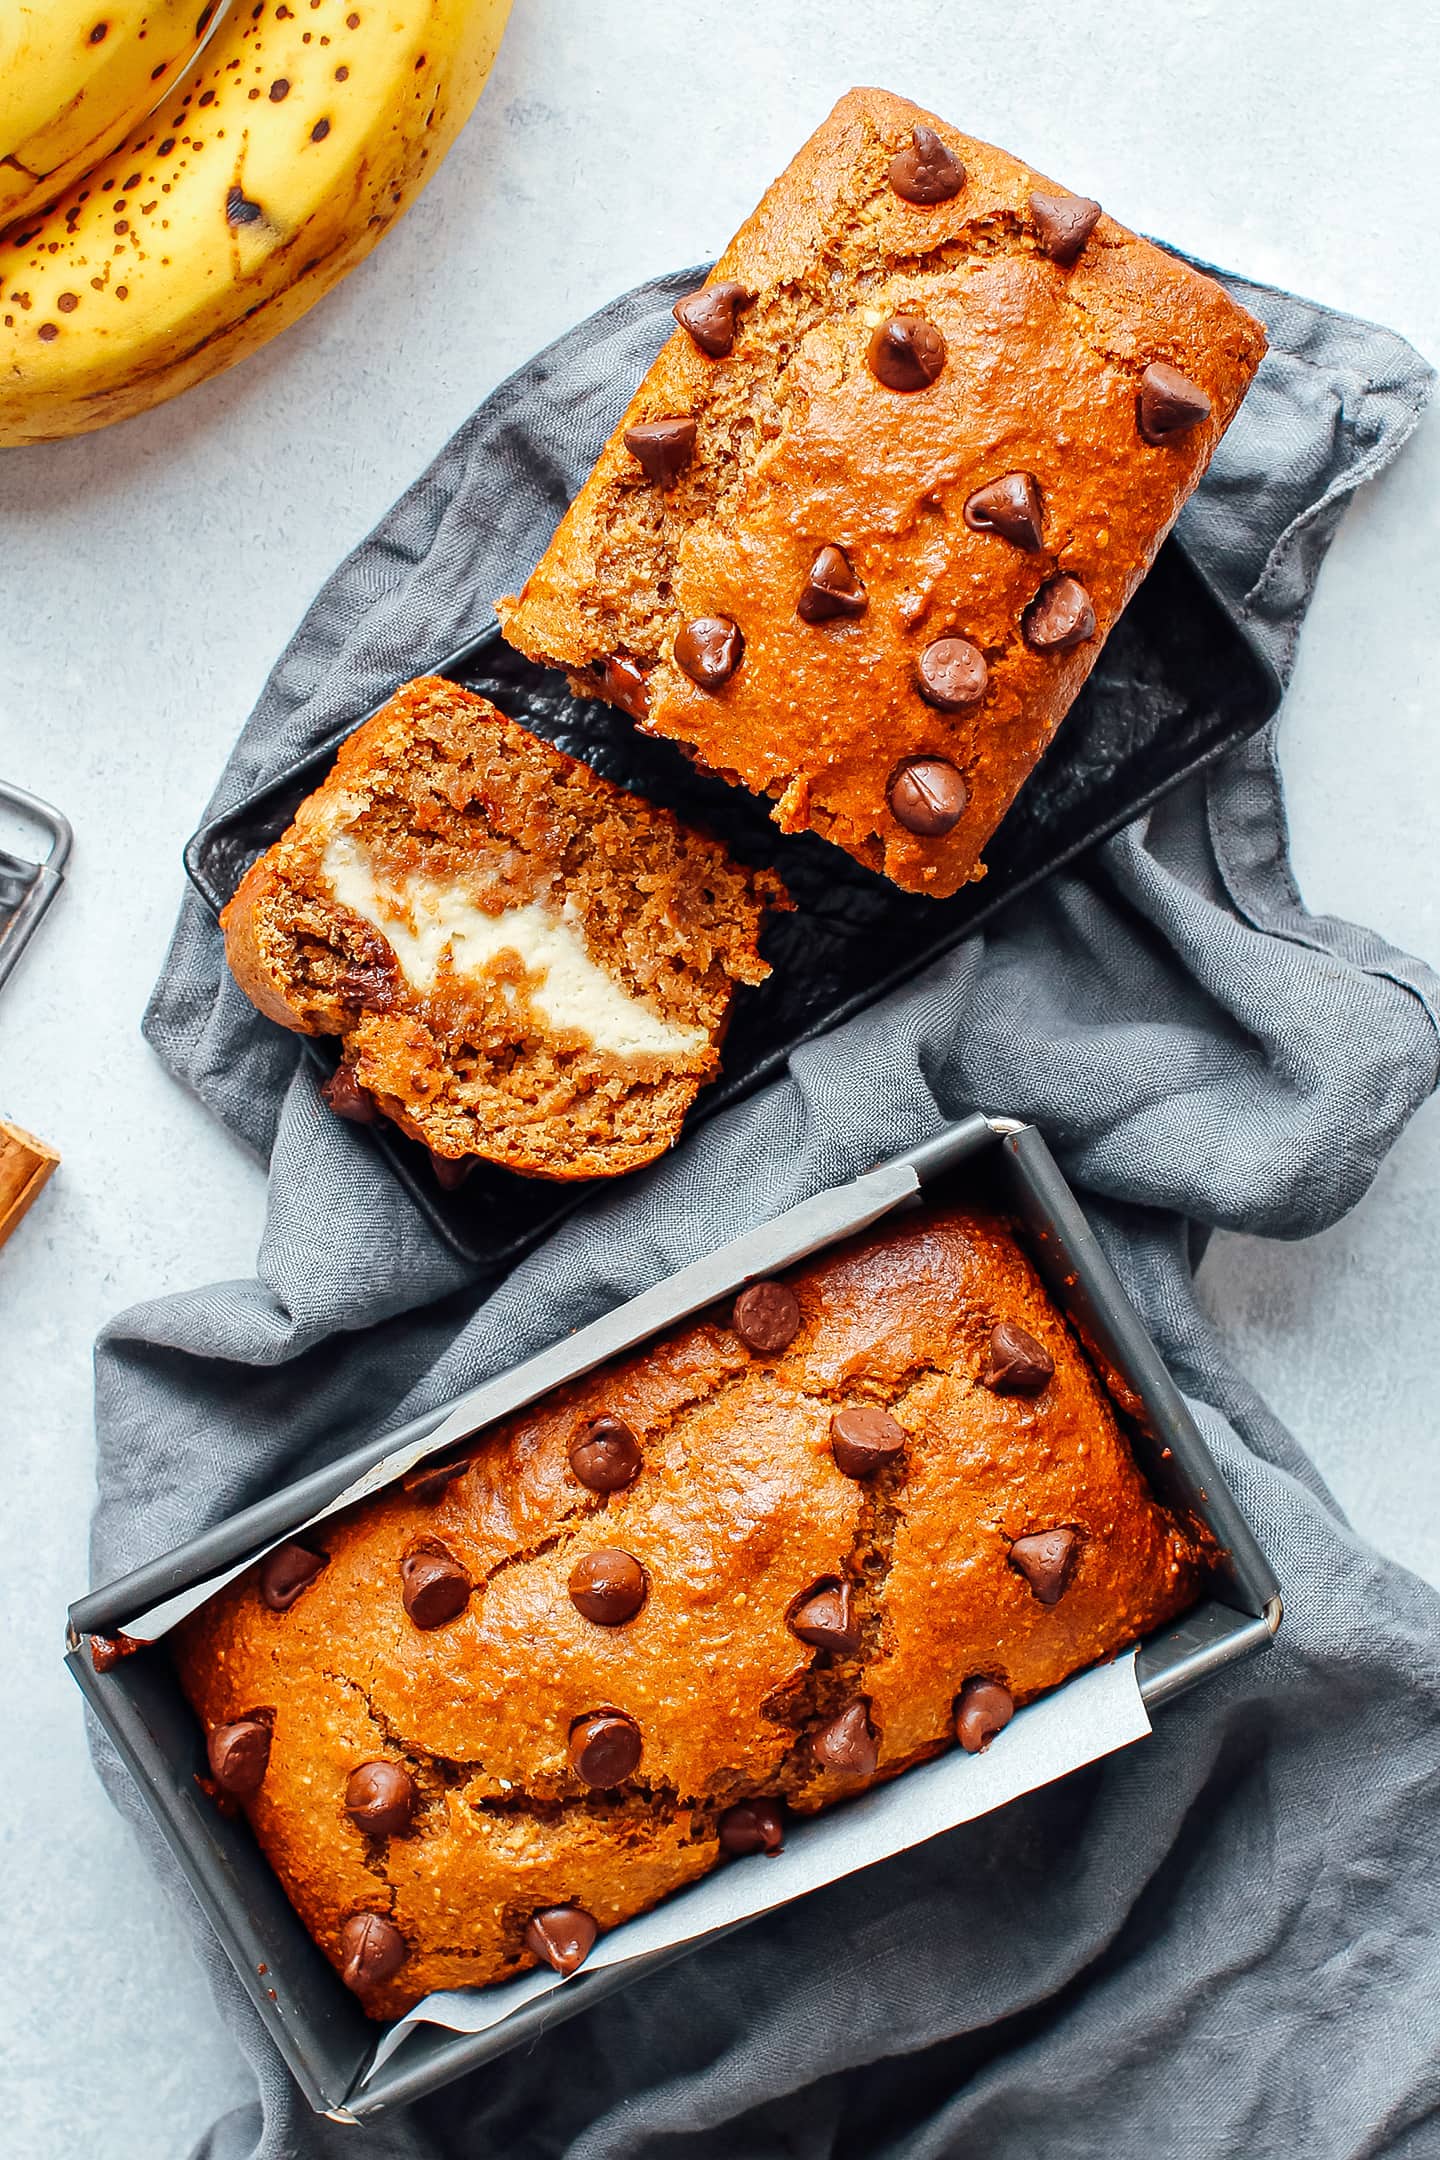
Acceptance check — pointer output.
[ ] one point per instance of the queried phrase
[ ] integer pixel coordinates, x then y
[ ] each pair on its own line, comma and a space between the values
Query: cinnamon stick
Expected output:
25, 1164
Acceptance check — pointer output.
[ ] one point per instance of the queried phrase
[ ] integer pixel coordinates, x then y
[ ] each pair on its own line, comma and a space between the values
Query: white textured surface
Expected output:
151, 575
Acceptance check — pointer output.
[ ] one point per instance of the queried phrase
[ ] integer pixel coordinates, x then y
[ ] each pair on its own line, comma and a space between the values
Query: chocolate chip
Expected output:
927, 796
287, 1571
925, 171
430, 1481
709, 650
1017, 1364
982, 1709
380, 1799
863, 1438
106, 1651
709, 315
952, 674
1046, 1559
1010, 506
766, 1317
434, 1586
370, 977
606, 1457
371, 1950
1060, 615
623, 684
831, 588
343, 1094
1169, 403
662, 448
847, 1744
906, 353
451, 1171
562, 1936
240, 1754
608, 1587
1063, 223
752, 1826
824, 1617
604, 1748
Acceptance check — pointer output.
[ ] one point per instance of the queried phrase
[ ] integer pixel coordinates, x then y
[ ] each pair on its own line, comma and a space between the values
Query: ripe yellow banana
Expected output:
76, 75
304, 128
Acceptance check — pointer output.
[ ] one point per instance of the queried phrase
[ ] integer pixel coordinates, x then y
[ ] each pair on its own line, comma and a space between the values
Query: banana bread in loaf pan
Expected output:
522, 961
796, 1545
863, 529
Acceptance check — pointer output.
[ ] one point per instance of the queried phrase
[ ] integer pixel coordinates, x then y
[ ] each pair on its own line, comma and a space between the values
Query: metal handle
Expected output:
42, 880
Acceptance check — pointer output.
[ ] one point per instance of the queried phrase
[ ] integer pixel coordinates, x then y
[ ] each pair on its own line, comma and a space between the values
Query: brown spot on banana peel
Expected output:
239, 210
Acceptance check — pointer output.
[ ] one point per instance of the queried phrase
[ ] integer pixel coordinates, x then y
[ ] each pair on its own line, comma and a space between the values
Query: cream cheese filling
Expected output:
422, 919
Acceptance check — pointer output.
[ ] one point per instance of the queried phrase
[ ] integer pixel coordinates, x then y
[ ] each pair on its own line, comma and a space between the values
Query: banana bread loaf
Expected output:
861, 534
788, 1550
522, 961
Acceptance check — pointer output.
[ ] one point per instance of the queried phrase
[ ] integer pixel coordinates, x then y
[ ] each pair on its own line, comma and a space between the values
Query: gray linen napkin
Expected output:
1215, 1943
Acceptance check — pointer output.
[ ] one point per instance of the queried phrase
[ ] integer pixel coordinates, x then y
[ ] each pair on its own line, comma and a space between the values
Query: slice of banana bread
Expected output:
863, 530
517, 1697
522, 962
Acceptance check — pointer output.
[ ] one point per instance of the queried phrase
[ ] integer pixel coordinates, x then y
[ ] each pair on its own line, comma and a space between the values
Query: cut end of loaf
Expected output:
521, 962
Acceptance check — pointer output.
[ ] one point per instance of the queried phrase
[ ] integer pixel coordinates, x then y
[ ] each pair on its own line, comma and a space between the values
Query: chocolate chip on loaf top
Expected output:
853, 1519
522, 961
862, 532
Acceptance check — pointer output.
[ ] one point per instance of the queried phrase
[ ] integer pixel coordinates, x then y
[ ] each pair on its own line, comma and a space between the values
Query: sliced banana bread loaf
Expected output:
521, 961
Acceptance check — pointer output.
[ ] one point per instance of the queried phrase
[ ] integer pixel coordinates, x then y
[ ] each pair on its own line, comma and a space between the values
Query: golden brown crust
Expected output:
439, 803
799, 446
738, 1509
241, 921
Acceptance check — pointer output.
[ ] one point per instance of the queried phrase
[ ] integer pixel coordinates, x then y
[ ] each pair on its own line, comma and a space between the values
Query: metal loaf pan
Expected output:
316, 2024
1176, 686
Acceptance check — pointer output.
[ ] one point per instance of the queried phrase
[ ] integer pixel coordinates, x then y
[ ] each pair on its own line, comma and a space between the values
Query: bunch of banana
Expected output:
296, 135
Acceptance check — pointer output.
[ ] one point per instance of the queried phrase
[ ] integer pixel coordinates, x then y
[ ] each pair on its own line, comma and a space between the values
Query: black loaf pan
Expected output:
1175, 687
318, 2027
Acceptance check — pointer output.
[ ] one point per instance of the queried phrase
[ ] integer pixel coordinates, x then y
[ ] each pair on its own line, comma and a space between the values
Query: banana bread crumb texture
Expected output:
788, 1550
861, 534
522, 961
